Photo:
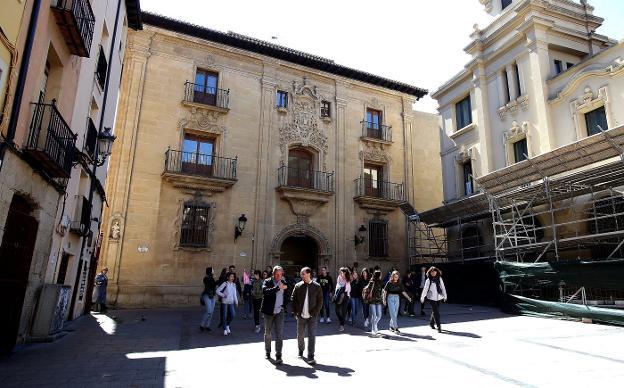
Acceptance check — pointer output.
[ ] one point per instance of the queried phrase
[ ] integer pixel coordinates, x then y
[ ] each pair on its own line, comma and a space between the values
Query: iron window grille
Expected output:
378, 238
195, 223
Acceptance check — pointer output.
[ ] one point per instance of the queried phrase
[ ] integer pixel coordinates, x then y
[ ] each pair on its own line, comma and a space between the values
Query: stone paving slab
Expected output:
478, 347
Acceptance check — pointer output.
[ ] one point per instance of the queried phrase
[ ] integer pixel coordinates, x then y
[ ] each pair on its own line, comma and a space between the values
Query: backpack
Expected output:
367, 293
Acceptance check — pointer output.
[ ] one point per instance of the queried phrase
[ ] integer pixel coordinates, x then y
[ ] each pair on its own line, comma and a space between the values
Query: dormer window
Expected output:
505, 3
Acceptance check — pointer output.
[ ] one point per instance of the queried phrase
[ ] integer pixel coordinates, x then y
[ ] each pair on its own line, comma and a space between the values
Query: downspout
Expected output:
21, 81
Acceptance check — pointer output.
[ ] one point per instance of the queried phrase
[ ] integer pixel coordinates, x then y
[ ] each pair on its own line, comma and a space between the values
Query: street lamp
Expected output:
360, 236
238, 229
105, 145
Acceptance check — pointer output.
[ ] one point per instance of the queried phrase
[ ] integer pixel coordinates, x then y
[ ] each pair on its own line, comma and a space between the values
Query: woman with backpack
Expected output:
392, 297
373, 297
342, 294
364, 279
229, 299
257, 295
434, 291
208, 299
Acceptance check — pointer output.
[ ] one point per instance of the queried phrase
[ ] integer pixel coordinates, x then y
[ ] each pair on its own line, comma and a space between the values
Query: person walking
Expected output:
373, 296
392, 298
101, 283
273, 302
434, 291
256, 293
222, 279
208, 299
307, 302
423, 279
247, 298
356, 296
327, 285
342, 295
364, 279
229, 299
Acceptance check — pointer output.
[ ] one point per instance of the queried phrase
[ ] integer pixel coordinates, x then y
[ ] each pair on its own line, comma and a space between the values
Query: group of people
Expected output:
268, 293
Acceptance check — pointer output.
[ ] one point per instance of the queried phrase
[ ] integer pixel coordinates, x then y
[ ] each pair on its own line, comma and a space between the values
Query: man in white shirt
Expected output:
307, 298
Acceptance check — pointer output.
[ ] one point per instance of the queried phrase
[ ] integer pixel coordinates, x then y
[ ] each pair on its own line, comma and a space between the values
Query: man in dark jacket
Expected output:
273, 303
307, 301
327, 285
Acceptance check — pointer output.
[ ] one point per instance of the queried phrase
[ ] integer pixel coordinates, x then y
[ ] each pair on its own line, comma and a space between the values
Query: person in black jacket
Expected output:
307, 302
327, 285
208, 299
273, 303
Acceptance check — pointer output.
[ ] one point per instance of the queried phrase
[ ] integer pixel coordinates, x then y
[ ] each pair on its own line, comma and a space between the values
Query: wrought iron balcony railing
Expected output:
192, 163
50, 140
76, 20
376, 131
206, 95
305, 179
365, 187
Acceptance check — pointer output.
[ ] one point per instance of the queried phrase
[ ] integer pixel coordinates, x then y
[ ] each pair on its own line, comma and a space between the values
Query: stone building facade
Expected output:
231, 150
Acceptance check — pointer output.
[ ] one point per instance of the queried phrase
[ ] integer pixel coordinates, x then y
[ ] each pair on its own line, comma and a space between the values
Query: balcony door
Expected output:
205, 89
300, 168
373, 123
197, 155
373, 178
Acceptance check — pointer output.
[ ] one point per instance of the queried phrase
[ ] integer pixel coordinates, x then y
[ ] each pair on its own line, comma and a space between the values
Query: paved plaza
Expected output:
479, 347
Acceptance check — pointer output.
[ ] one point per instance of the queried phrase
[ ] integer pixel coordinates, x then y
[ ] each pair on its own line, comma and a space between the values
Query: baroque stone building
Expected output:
232, 150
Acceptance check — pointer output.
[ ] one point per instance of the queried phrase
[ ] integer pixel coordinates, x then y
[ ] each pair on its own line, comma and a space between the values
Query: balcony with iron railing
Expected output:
200, 171
377, 194
376, 132
51, 143
81, 222
217, 99
76, 21
305, 179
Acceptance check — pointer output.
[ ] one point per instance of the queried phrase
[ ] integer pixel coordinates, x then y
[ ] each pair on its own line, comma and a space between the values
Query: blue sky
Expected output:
419, 42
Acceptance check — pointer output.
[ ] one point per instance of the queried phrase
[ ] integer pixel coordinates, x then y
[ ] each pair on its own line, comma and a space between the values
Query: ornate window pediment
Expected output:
464, 155
516, 132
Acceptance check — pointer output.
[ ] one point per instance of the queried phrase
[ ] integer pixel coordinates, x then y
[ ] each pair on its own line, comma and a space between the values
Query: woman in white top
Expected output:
434, 292
229, 299
342, 295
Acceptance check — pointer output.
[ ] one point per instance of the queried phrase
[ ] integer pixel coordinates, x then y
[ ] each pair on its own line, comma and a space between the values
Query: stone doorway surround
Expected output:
301, 229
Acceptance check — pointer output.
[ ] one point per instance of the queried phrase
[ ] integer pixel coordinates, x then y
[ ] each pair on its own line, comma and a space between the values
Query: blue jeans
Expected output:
375, 316
326, 302
394, 301
365, 310
248, 307
210, 305
356, 304
228, 312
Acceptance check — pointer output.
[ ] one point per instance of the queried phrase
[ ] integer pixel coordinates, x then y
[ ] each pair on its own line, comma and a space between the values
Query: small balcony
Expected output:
81, 222
378, 195
305, 190
76, 21
215, 99
376, 132
199, 171
51, 143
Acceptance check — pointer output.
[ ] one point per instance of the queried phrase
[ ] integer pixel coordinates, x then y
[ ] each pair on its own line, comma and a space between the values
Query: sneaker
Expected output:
439, 329
257, 329
397, 331
366, 322
341, 328
349, 320
227, 328
328, 320
322, 320
278, 359
311, 360
225, 332
267, 355
300, 354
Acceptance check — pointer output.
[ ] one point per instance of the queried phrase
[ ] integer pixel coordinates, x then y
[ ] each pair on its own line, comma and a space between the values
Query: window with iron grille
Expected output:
378, 238
102, 67
194, 232
325, 109
281, 99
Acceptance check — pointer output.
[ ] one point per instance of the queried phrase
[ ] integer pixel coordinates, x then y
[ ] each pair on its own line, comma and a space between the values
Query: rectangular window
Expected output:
325, 109
373, 180
102, 67
281, 99
467, 178
569, 65
505, 3
558, 66
62, 272
378, 238
194, 231
518, 83
520, 150
197, 155
463, 112
594, 119
205, 87
506, 89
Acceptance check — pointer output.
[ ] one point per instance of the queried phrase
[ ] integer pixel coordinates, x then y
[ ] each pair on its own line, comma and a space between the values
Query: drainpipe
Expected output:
100, 128
21, 81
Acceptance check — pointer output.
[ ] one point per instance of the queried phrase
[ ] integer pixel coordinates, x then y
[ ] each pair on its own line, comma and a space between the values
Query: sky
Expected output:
419, 42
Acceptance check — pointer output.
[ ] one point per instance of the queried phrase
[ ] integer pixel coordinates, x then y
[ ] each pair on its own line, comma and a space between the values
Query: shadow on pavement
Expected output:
310, 371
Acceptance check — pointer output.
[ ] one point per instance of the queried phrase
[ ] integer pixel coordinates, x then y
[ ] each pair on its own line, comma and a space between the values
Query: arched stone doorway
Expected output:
298, 252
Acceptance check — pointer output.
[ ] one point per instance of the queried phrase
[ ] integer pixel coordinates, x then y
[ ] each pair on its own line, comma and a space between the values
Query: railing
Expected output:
50, 140
307, 179
376, 131
83, 21
90, 143
192, 163
102, 67
81, 222
365, 187
206, 95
